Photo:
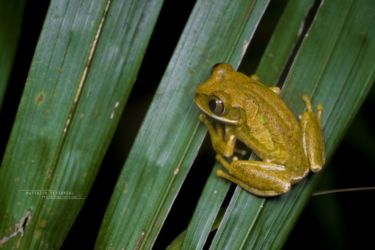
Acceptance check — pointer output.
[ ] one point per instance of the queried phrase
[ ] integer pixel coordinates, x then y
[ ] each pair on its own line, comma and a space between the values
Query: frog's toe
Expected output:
203, 118
275, 90
307, 101
319, 112
316, 168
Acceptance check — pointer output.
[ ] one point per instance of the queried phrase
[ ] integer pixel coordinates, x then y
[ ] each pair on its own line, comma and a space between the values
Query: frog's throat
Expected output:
219, 118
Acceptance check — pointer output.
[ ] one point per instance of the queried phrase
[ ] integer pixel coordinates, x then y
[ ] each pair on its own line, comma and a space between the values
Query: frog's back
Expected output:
275, 128
272, 108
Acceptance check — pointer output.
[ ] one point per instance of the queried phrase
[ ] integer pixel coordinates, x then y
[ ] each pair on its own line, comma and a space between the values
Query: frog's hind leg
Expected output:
312, 135
257, 177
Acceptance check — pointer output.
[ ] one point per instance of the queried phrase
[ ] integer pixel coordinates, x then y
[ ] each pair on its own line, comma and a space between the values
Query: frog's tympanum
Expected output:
238, 107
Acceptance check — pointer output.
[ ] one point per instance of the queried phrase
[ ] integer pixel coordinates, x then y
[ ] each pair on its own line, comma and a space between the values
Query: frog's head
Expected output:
216, 98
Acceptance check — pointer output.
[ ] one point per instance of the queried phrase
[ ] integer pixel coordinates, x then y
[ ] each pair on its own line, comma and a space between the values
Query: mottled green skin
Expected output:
238, 107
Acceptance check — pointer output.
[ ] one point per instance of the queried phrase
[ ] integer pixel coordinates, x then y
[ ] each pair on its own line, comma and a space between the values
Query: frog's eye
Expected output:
216, 105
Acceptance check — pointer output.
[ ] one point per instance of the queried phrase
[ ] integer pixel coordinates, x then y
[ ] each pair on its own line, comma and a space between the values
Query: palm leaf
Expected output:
334, 65
280, 49
84, 66
171, 134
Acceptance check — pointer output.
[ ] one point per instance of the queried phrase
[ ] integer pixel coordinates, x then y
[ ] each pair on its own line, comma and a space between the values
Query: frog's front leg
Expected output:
312, 135
257, 177
223, 141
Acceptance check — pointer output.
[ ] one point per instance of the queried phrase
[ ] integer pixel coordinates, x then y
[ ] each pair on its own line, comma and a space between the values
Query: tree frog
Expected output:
239, 107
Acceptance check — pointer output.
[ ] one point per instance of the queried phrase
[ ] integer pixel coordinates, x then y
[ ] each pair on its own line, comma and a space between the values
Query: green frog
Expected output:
238, 107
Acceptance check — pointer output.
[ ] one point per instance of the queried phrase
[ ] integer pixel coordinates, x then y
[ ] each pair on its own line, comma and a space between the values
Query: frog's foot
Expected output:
203, 118
319, 112
223, 142
217, 130
319, 108
308, 103
312, 139
275, 89
257, 177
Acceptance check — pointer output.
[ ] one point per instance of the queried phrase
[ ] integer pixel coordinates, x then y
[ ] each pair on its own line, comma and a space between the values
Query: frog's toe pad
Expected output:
316, 168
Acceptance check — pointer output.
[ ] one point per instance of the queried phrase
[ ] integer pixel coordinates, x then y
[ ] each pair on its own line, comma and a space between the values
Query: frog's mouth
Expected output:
203, 106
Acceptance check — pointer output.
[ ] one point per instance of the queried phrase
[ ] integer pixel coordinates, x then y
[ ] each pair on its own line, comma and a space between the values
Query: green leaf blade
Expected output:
208, 206
85, 65
283, 40
340, 92
280, 48
170, 134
